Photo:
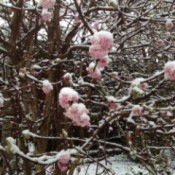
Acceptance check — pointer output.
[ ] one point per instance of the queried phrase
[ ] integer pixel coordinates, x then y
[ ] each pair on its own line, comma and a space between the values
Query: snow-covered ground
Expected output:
119, 165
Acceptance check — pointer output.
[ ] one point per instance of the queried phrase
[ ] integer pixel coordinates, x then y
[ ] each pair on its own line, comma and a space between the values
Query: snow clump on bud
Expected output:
63, 160
103, 62
112, 104
94, 72
1, 101
47, 86
136, 110
137, 87
169, 70
67, 77
169, 24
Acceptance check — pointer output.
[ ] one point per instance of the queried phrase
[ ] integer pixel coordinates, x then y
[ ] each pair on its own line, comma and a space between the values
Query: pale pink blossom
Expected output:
67, 96
64, 159
103, 62
46, 3
169, 24
46, 15
137, 110
95, 74
75, 111
96, 25
102, 38
169, 70
160, 42
1, 101
84, 120
47, 86
62, 166
97, 52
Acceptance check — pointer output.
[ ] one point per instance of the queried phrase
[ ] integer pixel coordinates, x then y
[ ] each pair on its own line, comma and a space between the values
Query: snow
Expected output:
119, 165
111, 98
137, 81
1, 100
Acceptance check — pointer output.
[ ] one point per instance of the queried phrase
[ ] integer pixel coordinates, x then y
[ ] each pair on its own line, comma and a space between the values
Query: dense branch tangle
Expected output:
33, 49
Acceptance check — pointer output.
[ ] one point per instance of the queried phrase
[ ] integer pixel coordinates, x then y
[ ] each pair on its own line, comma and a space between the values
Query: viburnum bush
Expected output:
82, 80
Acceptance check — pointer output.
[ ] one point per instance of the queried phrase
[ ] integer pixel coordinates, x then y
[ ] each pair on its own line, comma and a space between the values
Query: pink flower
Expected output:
169, 24
1, 101
46, 3
63, 167
169, 69
96, 25
160, 42
46, 15
97, 52
137, 110
102, 38
67, 96
95, 74
84, 120
75, 111
64, 159
103, 62
47, 86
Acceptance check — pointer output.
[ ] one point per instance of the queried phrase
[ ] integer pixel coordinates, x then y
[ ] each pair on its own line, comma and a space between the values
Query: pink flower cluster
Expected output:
99, 49
47, 86
137, 110
46, 5
64, 159
77, 112
169, 70
103, 39
67, 96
